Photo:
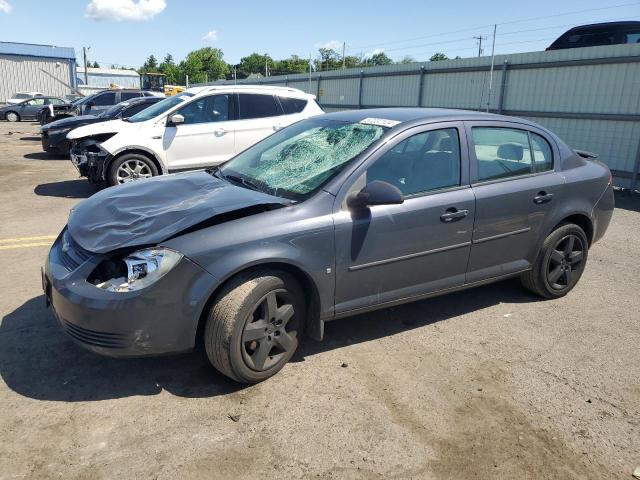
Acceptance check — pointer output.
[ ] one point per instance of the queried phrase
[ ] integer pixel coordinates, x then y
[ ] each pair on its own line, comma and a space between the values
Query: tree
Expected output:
291, 65
329, 59
170, 69
437, 57
95, 65
351, 61
203, 65
150, 65
380, 59
254, 63
407, 59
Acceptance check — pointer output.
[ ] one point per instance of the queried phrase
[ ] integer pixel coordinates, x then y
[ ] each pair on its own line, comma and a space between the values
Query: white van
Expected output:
201, 127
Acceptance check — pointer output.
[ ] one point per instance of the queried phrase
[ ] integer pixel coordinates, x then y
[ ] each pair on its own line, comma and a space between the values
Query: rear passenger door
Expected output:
100, 103
516, 187
259, 115
391, 252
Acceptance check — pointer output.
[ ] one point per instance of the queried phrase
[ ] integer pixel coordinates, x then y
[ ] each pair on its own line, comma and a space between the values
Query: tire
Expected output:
255, 325
137, 165
12, 117
559, 264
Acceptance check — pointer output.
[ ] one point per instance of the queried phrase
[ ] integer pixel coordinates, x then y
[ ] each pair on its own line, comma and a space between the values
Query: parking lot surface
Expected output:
487, 383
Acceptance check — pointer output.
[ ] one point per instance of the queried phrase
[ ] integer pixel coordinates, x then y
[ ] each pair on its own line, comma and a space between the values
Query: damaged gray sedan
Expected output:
330, 217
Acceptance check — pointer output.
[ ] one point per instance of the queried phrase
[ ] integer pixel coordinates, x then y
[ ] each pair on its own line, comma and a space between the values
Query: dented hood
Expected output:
147, 212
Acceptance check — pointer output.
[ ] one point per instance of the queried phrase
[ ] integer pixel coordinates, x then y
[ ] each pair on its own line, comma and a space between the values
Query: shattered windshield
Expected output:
297, 161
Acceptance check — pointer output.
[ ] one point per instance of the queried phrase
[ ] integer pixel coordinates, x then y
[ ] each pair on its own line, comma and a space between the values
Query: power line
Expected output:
491, 25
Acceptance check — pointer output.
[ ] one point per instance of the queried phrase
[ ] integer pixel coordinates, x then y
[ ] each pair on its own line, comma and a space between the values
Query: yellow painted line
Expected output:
27, 239
25, 245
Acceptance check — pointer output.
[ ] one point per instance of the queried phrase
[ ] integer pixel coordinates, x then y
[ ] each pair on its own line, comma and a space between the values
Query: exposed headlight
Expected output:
135, 271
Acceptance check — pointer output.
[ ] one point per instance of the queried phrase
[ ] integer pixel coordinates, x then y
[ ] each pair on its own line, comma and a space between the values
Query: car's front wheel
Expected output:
560, 262
254, 327
12, 117
130, 167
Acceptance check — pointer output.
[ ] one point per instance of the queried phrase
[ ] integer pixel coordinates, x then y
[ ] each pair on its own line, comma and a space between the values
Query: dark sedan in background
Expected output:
90, 105
54, 134
29, 109
332, 216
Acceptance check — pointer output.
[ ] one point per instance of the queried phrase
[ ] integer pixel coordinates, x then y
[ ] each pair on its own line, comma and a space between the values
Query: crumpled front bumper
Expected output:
90, 163
160, 319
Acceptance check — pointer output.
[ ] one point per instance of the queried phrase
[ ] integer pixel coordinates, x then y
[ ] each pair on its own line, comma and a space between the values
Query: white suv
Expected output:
201, 127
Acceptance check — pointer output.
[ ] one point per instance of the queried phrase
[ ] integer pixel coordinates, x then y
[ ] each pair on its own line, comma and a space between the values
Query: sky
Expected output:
125, 32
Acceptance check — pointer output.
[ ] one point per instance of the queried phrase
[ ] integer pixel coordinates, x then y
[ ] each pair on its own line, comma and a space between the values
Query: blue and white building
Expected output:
41, 68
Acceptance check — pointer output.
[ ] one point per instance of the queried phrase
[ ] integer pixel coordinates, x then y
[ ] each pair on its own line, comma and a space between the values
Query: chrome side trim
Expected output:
502, 235
407, 257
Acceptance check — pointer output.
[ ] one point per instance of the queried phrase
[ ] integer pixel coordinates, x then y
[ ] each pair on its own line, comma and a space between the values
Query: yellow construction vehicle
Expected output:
152, 81
171, 90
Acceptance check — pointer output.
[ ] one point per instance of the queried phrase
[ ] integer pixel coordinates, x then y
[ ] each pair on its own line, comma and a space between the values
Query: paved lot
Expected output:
488, 383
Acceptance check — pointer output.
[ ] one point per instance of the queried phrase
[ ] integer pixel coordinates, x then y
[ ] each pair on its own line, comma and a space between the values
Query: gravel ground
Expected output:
487, 383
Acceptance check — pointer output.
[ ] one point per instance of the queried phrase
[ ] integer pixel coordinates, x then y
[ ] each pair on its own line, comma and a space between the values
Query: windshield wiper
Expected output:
237, 179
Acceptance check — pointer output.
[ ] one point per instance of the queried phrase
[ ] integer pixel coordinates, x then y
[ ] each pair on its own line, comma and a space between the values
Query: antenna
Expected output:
480, 38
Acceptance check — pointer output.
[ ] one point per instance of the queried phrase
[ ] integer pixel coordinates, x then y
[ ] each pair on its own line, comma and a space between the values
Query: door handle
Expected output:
452, 214
542, 197
219, 132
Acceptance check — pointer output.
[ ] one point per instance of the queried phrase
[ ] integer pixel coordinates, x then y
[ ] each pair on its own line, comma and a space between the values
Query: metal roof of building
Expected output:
108, 71
33, 50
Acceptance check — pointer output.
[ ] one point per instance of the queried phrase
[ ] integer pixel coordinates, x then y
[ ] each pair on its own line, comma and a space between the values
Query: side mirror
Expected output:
375, 193
175, 119
91, 103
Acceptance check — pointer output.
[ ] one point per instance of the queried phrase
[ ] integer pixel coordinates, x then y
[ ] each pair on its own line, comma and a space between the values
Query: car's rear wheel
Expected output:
12, 117
560, 262
254, 326
130, 167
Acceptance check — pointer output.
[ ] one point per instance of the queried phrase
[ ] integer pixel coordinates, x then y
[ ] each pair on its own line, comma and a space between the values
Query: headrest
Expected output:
446, 144
510, 151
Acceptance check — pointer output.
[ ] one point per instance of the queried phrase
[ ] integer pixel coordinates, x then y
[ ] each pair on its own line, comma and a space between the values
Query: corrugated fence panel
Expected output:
589, 96
592, 88
46, 75
339, 91
390, 91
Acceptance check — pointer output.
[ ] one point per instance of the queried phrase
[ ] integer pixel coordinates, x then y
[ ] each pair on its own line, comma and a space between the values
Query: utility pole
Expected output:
235, 75
86, 76
344, 46
309, 73
266, 65
493, 52
480, 38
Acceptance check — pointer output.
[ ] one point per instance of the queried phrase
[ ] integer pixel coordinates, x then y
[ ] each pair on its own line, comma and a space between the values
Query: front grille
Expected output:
72, 255
98, 339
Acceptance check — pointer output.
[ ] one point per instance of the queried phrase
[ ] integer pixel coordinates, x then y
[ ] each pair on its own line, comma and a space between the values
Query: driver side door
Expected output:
388, 253
207, 136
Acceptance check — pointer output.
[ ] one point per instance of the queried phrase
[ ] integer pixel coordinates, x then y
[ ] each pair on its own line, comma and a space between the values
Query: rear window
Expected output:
292, 105
258, 106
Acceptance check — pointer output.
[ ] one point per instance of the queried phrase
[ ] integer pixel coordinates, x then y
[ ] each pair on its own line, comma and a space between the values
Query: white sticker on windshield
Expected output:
380, 122
183, 97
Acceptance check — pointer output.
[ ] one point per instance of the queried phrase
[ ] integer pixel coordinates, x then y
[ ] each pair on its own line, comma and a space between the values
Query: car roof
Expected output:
418, 115
596, 26
285, 91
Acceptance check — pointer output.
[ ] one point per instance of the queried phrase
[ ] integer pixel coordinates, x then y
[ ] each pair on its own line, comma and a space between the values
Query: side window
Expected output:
105, 99
542, 153
258, 106
214, 108
36, 102
56, 101
633, 37
292, 105
129, 95
133, 109
421, 163
501, 152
